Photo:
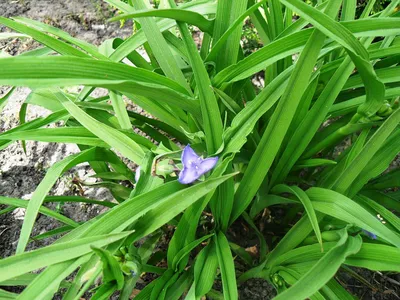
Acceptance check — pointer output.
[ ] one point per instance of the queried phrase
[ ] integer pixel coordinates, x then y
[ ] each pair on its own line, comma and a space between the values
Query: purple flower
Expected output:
370, 234
194, 166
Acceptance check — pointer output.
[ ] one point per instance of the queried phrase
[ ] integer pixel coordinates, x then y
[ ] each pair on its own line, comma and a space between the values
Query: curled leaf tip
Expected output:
194, 166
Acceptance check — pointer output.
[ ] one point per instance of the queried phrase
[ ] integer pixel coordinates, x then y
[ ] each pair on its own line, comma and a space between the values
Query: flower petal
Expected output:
137, 174
370, 234
207, 164
188, 175
188, 156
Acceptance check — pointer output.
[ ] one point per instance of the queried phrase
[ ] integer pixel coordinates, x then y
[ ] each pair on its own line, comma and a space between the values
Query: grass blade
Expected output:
47, 183
323, 270
43, 210
274, 134
180, 15
26, 262
160, 47
225, 261
209, 107
305, 200
113, 137
52, 43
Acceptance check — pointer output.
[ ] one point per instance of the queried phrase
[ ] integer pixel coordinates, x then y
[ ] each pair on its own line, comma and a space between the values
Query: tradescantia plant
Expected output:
215, 143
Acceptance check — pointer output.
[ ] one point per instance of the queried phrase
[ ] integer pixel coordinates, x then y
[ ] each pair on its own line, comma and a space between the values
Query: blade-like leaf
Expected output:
113, 137
343, 208
274, 134
43, 210
305, 200
26, 262
181, 15
47, 183
225, 261
51, 42
323, 270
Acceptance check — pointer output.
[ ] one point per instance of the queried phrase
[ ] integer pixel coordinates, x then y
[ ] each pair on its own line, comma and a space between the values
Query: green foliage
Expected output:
330, 75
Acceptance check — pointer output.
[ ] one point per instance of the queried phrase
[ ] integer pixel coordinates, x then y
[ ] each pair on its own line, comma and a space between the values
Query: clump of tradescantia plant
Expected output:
250, 150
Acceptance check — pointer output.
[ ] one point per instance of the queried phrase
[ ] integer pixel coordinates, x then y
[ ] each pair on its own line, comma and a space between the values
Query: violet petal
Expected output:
194, 166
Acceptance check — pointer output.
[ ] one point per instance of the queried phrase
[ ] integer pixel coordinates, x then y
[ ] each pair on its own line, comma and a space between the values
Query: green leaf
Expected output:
379, 162
314, 162
375, 89
386, 214
367, 153
29, 261
226, 14
204, 7
376, 257
47, 183
26, 279
160, 47
162, 284
52, 43
5, 98
52, 233
145, 251
105, 291
343, 208
181, 15
187, 227
73, 135
336, 291
208, 103
12, 35
113, 137
264, 57
7, 295
89, 48
186, 230
275, 17
69, 71
387, 180
43, 210
305, 200
323, 270
120, 111
39, 122
300, 23
312, 121
185, 251
175, 204
348, 10
242, 253
226, 265
205, 268
268, 147
327, 25
293, 43
266, 200
291, 239
351, 105
176, 290
111, 269
222, 40
387, 200
228, 101
243, 123
263, 243
368, 8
